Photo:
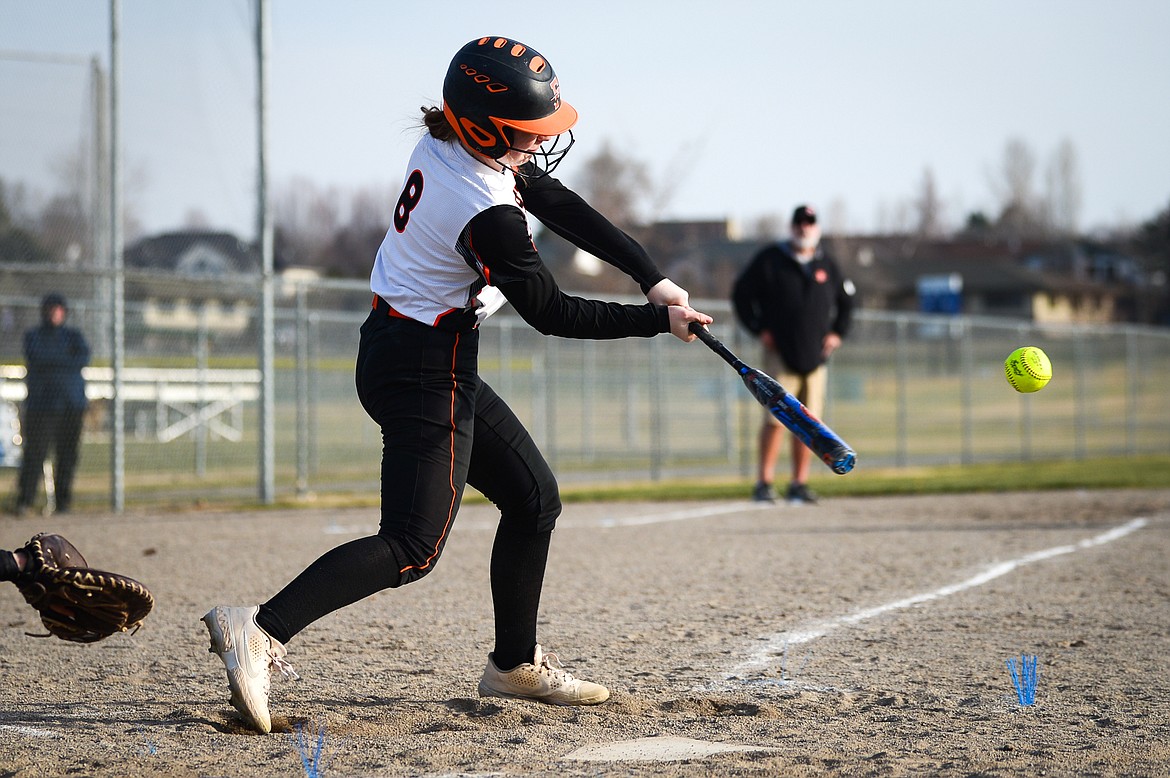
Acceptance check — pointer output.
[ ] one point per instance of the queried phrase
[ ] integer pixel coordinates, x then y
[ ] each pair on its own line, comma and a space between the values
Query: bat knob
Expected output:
843, 463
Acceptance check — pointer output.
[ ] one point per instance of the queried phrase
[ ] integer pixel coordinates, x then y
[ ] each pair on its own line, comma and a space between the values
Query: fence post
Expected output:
118, 271
302, 389
506, 382
588, 399
657, 412
965, 383
538, 380
901, 368
1080, 401
201, 358
726, 412
549, 374
312, 344
747, 410
1132, 370
1024, 336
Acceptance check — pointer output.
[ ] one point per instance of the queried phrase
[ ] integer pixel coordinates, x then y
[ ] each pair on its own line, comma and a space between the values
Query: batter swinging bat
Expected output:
791, 412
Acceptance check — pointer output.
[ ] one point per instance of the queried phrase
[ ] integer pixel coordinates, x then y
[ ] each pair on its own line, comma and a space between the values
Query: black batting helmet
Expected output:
496, 85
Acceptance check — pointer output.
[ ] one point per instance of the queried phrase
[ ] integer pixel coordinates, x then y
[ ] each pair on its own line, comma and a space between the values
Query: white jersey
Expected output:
420, 270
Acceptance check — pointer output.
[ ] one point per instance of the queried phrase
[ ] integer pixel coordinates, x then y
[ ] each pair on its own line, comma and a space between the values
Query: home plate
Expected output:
656, 749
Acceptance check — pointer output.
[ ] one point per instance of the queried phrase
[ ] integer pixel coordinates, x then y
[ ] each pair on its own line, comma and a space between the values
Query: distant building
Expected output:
195, 253
1053, 282
181, 281
1008, 279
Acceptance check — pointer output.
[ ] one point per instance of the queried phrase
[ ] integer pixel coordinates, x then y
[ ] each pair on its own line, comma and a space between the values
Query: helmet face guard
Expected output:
495, 87
545, 159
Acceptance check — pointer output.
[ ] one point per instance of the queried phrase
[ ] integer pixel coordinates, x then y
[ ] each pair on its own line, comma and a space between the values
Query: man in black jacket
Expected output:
55, 403
795, 298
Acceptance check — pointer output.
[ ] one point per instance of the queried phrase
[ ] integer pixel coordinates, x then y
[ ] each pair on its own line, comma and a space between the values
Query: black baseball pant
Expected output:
43, 430
442, 428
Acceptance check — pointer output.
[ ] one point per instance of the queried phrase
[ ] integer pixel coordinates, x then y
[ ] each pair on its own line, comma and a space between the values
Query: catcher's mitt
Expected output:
76, 602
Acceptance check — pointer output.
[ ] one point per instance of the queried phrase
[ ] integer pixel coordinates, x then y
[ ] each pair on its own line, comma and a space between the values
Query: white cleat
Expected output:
249, 653
541, 681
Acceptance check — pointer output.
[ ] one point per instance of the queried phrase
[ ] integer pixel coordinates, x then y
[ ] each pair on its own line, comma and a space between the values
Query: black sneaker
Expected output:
763, 493
800, 494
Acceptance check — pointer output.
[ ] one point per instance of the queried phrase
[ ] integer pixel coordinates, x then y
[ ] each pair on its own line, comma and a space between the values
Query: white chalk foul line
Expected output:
765, 656
683, 514
27, 731
334, 528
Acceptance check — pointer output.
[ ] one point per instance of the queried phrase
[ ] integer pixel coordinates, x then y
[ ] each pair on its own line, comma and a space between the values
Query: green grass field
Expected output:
1112, 473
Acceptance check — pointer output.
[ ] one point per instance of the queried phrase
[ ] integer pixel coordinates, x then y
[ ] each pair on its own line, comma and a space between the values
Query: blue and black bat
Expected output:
791, 412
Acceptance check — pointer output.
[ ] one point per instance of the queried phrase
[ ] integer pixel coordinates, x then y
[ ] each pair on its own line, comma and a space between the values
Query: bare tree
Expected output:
664, 186
17, 244
65, 221
307, 219
1064, 189
351, 252
616, 186
928, 208
1021, 213
332, 230
370, 209
65, 228
1018, 170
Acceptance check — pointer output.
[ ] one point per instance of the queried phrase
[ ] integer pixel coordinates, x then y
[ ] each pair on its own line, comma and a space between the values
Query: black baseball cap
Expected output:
804, 214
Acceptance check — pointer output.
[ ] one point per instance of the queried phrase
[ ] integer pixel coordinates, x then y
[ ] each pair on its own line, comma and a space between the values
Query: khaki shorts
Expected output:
809, 388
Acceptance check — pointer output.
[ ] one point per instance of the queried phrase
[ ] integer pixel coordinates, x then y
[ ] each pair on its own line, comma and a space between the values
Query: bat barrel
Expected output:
833, 451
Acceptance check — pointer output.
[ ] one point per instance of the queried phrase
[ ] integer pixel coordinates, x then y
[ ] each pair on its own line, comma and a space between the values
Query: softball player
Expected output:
458, 246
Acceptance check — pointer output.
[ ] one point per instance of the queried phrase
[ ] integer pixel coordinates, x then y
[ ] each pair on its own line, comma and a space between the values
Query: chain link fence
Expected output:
905, 390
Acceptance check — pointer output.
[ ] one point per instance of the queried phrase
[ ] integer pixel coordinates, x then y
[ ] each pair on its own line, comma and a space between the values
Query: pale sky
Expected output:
740, 109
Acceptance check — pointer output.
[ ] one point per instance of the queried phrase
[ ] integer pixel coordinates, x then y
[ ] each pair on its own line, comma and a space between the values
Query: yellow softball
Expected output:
1028, 369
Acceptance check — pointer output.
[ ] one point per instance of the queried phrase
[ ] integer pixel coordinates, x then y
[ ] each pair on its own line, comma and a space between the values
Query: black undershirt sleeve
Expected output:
564, 212
499, 242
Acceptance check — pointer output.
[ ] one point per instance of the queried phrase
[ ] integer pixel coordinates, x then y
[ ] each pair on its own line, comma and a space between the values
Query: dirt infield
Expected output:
857, 637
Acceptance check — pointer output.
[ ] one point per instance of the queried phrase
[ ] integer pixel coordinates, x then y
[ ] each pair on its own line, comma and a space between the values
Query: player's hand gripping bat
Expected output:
791, 412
